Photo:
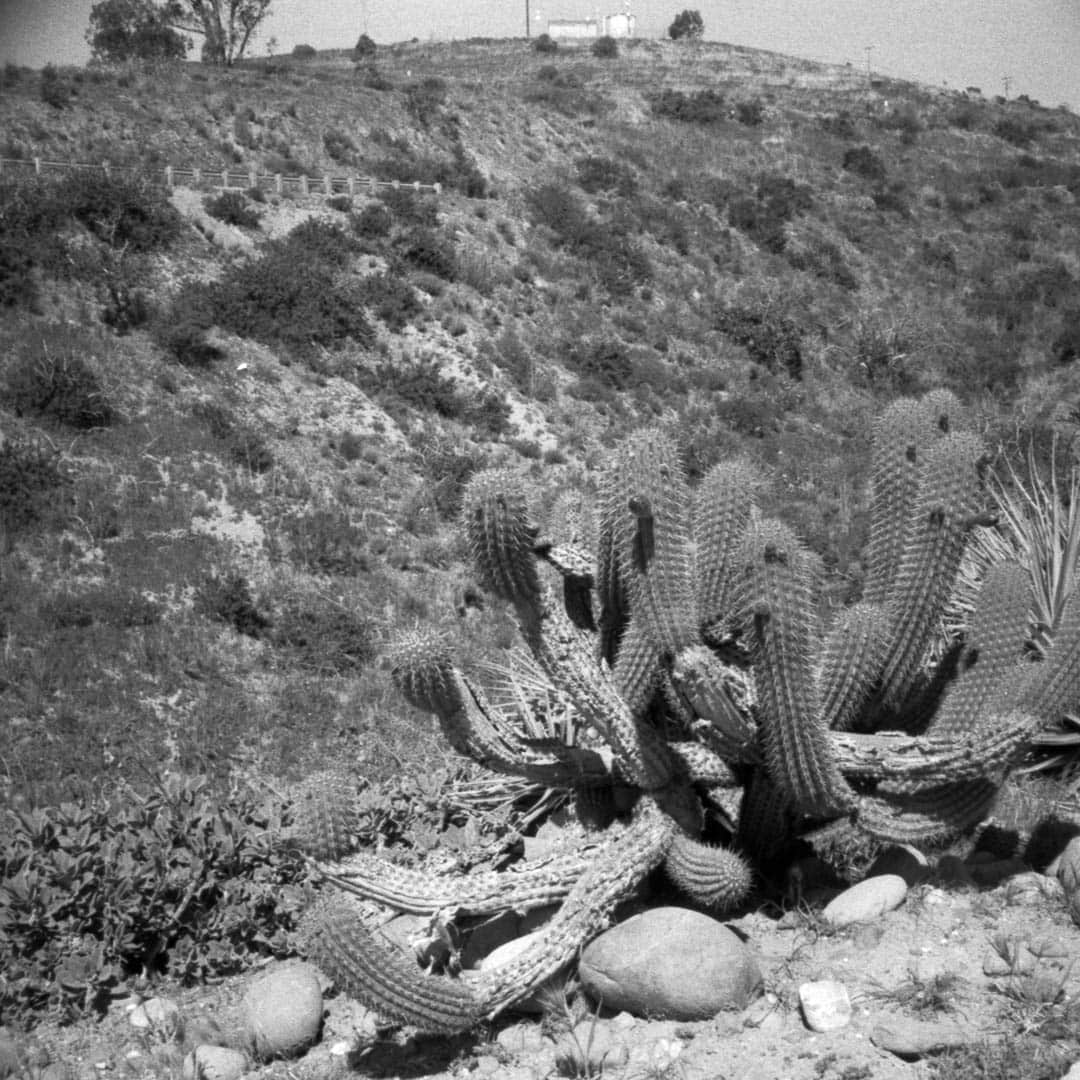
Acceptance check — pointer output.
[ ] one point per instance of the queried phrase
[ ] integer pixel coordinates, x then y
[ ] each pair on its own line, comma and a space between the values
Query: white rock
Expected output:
825, 1005
283, 1010
214, 1063
866, 900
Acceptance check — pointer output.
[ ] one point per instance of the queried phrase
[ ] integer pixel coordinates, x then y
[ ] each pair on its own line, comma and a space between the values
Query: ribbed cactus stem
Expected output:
325, 819
1055, 683
938, 529
933, 815
637, 667
716, 877
778, 600
852, 657
501, 534
989, 663
700, 679
657, 557
722, 506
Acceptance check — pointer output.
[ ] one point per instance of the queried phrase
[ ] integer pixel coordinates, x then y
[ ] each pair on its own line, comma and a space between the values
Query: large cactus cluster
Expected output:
688, 633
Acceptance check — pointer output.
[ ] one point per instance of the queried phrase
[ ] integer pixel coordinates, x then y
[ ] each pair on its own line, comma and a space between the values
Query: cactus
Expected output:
690, 643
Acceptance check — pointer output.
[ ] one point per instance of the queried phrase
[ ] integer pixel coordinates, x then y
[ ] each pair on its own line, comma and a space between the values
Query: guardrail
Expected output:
232, 179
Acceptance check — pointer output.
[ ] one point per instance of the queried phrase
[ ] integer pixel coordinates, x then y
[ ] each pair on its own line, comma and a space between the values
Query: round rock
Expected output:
282, 1011
670, 963
866, 900
825, 1005
214, 1063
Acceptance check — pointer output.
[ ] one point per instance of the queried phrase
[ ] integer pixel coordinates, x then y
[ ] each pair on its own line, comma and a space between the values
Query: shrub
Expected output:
178, 879
430, 252
364, 49
763, 217
425, 98
1066, 345
372, 76
862, 161
127, 307
319, 240
605, 48
751, 113
341, 203
304, 52
56, 91
390, 299
17, 285
772, 339
325, 637
231, 207
121, 210
700, 107
410, 208
604, 359
339, 146
1017, 132
841, 125
323, 541
228, 599
30, 475
373, 222
546, 45
50, 377
596, 173
687, 25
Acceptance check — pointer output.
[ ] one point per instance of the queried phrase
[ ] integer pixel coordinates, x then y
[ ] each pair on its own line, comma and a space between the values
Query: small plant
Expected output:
425, 98
862, 161
232, 208
228, 598
605, 48
50, 377
750, 113
427, 250
30, 479
373, 222
923, 995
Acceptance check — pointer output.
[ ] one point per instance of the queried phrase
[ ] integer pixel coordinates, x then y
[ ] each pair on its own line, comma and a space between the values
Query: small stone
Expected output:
825, 1005
1022, 888
866, 901
342, 1048
904, 860
282, 1011
624, 1021
907, 1037
670, 963
1068, 865
214, 1063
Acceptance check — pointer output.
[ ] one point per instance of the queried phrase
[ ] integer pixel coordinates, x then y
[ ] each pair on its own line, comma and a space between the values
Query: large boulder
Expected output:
283, 1011
670, 963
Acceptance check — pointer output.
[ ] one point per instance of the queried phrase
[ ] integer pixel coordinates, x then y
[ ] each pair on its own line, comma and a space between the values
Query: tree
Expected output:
364, 49
226, 26
133, 30
687, 24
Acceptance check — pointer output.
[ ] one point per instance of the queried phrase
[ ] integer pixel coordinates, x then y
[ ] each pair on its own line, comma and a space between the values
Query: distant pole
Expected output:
526, 18
1007, 80
869, 49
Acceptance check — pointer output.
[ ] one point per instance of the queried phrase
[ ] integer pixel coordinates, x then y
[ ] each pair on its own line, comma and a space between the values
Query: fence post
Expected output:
168, 177
438, 188
352, 186
416, 186
225, 178
196, 176
105, 169
303, 184
253, 179
37, 166
278, 183
328, 185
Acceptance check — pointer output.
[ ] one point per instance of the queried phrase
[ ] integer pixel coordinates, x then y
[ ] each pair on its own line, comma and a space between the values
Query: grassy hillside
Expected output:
232, 453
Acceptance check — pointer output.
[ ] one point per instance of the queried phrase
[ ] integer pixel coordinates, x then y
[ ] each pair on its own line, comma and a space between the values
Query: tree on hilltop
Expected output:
133, 30
121, 29
687, 24
364, 49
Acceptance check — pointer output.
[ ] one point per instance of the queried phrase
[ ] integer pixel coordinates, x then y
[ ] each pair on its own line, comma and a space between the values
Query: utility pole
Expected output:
526, 18
1007, 80
869, 49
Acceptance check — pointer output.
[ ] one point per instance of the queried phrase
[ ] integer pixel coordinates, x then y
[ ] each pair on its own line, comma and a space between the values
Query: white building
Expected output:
619, 25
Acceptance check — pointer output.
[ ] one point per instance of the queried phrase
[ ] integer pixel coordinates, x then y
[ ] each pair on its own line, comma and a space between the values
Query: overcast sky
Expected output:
1036, 43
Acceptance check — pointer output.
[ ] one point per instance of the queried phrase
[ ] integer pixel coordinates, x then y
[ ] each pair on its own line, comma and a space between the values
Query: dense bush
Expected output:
597, 173
232, 208
862, 161
18, 288
751, 112
763, 216
772, 339
49, 376
304, 52
364, 49
178, 880
228, 599
373, 222
325, 636
687, 25
56, 91
1017, 132
30, 478
700, 107
546, 45
123, 211
390, 299
605, 48
603, 359
425, 98
426, 250
339, 146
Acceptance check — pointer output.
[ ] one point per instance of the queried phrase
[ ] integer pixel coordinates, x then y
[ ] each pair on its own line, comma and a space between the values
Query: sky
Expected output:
1033, 44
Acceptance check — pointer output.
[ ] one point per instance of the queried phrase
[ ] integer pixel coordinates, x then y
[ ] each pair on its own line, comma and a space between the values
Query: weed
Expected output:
228, 598
31, 478
922, 994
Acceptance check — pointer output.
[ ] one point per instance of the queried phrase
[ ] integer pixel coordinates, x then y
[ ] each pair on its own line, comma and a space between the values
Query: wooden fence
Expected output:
231, 179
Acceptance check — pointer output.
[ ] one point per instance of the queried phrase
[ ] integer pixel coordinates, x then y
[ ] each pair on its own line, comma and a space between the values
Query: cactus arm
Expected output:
852, 657
701, 680
777, 599
477, 893
1055, 683
933, 815
717, 877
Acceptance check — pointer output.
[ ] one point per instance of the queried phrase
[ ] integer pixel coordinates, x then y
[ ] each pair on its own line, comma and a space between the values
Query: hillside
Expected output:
232, 451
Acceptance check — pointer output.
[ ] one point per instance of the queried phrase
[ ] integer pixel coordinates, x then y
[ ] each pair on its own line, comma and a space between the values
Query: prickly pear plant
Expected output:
692, 643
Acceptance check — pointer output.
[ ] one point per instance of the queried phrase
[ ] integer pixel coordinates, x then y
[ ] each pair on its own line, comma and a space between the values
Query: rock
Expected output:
214, 1063
825, 1005
670, 963
903, 860
491, 934
504, 954
1068, 865
907, 1037
1023, 888
866, 900
157, 1014
593, 1048
282, 1011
